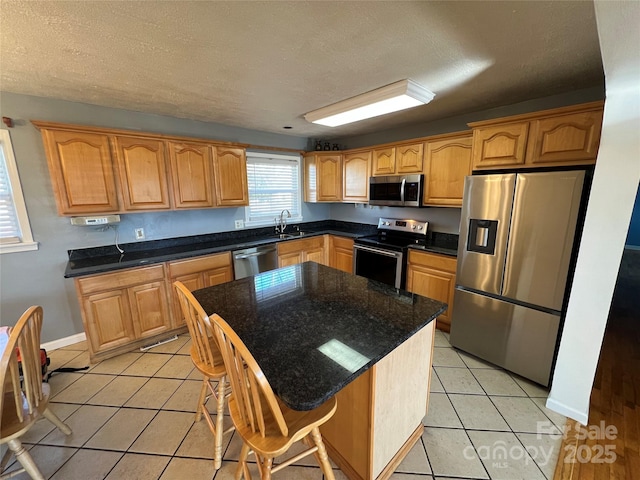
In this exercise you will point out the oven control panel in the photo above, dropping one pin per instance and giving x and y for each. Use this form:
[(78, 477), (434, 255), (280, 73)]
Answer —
[(401, 225)]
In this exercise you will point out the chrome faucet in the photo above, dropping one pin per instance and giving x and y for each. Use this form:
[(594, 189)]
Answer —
[(282, 224)]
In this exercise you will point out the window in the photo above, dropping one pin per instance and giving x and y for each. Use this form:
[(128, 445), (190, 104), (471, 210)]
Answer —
[(15, 231), (274, 186)]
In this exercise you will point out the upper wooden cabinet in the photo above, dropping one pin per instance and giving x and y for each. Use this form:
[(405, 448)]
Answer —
[(356, 170), (447, 162), (563, 136), (192, 175), (99, 170), (322, 177), (81, 171), (398, 159), (142, 167), (230, 173)]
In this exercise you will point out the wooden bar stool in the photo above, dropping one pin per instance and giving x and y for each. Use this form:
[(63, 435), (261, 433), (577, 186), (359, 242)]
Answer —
[(268, 427), (25, 397), (206, 357)]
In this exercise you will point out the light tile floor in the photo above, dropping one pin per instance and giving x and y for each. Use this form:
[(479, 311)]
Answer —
[(132, 418)]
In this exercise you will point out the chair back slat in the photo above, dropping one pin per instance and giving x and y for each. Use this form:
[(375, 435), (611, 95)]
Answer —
[(200, 329), (24, 340), (250, 389)]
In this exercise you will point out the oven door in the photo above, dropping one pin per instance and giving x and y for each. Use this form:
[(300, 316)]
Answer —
[(385, 266)]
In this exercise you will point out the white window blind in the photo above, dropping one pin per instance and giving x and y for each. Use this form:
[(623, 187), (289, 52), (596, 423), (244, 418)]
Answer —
[(15, 231), (274, 186)]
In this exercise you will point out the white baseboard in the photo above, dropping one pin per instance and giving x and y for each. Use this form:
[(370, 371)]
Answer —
[(64, 342), (561, 408)]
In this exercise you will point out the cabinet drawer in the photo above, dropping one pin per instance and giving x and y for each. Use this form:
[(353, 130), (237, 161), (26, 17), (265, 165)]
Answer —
[(199, 264), (122, 279), (433, 260)]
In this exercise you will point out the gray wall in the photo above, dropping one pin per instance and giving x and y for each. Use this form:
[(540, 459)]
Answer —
[(28, 278)]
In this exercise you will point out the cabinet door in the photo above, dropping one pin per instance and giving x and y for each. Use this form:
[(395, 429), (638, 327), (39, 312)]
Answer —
[(341, 253), (384, 161), (447, 163), (81, 171), (149, 312), (107, 318), (316, 254), (230, 168), (565, 139), (409, 158), (433, 276), (329, 171), (142, 165), (291, 258), (310, 179), (193, 281), (192, 175), (500, 146), (217, 276), (356, 169)]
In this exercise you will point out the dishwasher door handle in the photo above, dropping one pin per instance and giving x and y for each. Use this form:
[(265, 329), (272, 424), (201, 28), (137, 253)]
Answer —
[(249, 255)]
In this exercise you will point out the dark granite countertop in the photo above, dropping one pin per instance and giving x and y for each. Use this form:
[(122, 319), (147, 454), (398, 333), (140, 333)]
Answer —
[(313, 329), (90, 261)]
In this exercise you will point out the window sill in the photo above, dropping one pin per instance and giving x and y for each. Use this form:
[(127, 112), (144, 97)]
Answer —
[(271, 223), (18, 247)]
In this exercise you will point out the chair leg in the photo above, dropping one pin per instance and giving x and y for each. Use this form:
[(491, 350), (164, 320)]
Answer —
[(322, 453), (53, 418), (203, 394), (25, 459), (217, 457), (243, 469), (267, 465)]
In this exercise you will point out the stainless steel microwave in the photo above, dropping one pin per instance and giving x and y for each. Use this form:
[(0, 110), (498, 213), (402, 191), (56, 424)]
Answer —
[(396, 190)]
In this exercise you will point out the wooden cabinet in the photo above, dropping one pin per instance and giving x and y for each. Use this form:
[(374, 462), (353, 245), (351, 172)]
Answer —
[(323, 177), (563, 136), (433, 275), (356, 170), (81, 172), (195, 273), (142, 166), (192, 175), (124, 309), (230, 173), (100, 171), (341, 253), (399, 159), (310, 249), (447, 161)]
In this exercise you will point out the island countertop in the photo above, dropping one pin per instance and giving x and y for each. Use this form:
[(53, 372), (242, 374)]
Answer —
[(313, 329)]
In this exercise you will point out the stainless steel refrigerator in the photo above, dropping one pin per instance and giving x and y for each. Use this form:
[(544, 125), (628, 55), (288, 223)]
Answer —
[(517, 235)]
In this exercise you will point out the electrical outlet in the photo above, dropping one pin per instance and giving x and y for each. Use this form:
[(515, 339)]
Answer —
[(239, 223), (139, 233)]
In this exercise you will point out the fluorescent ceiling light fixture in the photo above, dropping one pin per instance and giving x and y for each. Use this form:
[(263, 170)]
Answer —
[(391, 98)]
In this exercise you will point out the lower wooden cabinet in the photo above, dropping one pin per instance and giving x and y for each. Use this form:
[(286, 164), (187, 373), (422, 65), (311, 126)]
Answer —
[(123, 309), (195, 273), (303, 250), (341, 253), (433, 275)]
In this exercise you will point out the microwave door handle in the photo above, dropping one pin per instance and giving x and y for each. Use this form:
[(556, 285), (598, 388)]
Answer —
[(404, 181)]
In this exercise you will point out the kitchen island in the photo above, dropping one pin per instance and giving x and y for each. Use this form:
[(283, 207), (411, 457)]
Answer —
[(317, 332)]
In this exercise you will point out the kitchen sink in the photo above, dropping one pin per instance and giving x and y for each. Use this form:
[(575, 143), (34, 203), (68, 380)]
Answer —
[(291, 235)]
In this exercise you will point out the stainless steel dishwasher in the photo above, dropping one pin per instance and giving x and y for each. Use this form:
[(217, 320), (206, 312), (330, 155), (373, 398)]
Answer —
[(249, 261)]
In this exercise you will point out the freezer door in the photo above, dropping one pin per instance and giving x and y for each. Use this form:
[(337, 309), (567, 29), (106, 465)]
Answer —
[(484, 228), (519, 339), (543, 224)]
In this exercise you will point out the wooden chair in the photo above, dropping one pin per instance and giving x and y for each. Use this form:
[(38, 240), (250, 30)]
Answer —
[(206, 357), (25, 400), (268, 427)]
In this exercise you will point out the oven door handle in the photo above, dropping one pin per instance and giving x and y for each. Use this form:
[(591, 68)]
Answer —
[(402, 185), (378, 251)]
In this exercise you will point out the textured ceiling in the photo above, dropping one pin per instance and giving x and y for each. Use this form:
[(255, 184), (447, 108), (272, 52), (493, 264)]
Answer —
[(263, 65)]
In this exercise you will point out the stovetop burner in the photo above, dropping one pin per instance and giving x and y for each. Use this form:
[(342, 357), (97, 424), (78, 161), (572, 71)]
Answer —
[(396, 234)]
